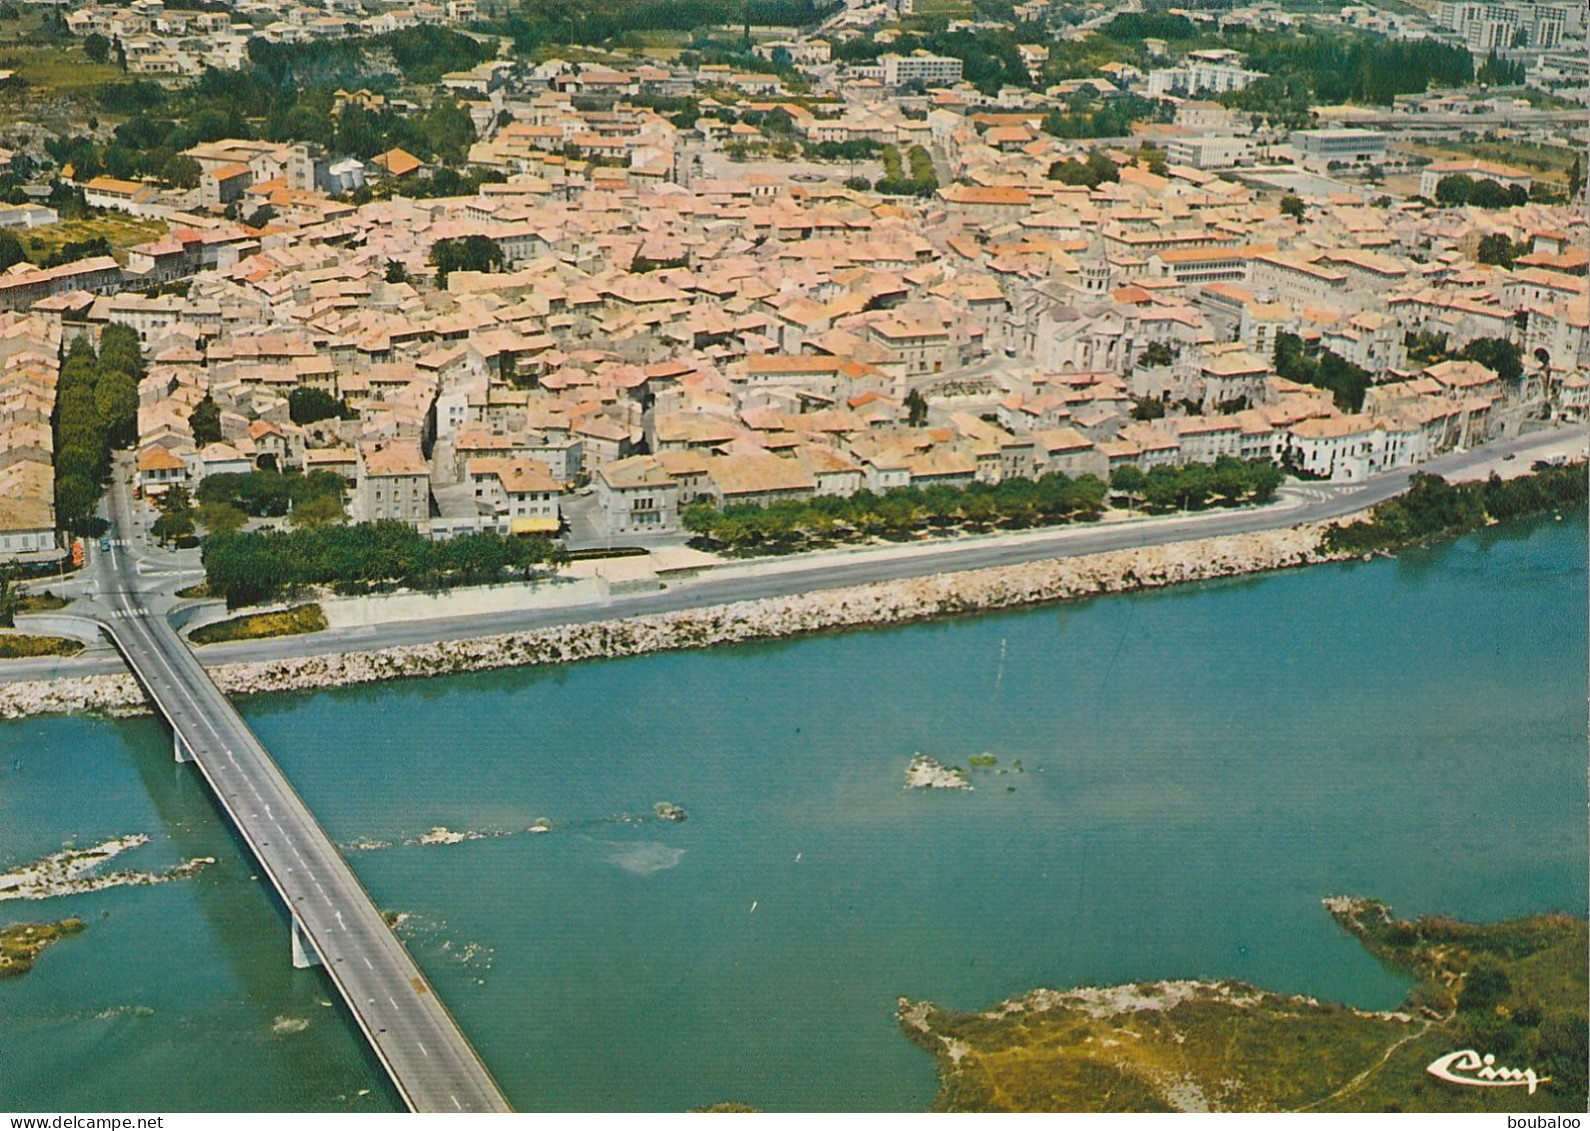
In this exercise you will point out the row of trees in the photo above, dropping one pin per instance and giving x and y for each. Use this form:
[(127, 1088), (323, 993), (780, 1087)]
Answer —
[(1227, 482), (1432, 508), (96, 410), (1460, 189), (256, 566), (899, 513), (922, 181), (1013, 503)]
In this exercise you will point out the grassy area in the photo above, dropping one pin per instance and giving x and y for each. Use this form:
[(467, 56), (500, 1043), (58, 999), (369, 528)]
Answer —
[(1515, 989), (118, 229), (45, 602), (288, 622), (20, 943), (194, 592), (1551, 159), (20, 646), (59, 70), (946, 9)]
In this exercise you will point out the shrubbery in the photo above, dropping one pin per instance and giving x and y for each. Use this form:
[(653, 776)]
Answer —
[(1433, 508)]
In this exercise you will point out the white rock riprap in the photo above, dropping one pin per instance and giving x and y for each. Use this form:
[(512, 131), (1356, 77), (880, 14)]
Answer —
[(886, 602)]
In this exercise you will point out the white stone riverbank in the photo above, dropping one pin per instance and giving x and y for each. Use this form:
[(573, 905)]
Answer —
[(886, 602)]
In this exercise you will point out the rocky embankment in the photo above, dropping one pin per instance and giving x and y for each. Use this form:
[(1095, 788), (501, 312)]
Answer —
[(887, 602)]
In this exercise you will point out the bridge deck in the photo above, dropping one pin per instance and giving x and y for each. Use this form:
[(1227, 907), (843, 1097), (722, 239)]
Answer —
[(422, 1048)]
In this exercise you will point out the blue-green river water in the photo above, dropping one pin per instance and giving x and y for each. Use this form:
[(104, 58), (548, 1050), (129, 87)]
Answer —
[(1202, 766)]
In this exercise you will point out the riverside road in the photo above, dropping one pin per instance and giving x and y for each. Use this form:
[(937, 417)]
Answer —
[(1304, 503)]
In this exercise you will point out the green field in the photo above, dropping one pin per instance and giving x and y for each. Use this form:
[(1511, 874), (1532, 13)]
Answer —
[(945, 9), (122, 231), (58, 70), (1550, 159), (1514, 991)]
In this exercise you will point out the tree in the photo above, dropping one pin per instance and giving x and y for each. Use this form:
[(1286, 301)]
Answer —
[(10, 602), (261, 216), (322, 510), (121, 351), (75, 499), (205, 422), (181, 171), (1293, 206), (11, 252), (306, 405), (916, 408), (1153, 159), (468, 253), (1147, 408), (1575, 177), (116, 400), (220, 518), (396, 272), (1454, 190), (1501, 356), (96, 47), (1497, 249), (176, 515), (1128, 480), (1156, 354)]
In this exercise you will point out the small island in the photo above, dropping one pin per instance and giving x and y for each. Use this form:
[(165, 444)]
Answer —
[(1493, 1002), (21, 943), (668, 811), (929, 773)]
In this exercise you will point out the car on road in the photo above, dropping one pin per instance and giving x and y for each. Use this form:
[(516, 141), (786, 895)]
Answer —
[(1509, 455), (104, 543)]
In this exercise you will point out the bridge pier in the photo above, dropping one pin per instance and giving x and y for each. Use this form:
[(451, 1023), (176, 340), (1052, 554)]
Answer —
[(304, 953), (179, 747)]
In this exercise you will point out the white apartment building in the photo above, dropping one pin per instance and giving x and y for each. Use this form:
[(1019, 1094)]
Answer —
[(1211, 152), (919, 66)]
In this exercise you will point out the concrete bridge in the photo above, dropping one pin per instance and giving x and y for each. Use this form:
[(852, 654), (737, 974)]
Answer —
[(334, 922)]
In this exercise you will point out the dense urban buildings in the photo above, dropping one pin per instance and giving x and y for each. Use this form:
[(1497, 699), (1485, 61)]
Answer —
[(623, 310)]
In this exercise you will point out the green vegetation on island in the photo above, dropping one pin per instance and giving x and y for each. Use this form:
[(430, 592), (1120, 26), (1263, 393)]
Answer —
[(253, 567), (1514, 991), (288, 622), (1432, 509), (21, 943)]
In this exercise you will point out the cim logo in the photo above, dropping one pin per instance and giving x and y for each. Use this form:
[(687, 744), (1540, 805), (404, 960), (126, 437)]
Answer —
[(1486, 1073)]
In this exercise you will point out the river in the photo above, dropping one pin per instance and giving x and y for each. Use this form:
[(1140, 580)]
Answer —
[(1201, 765)]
